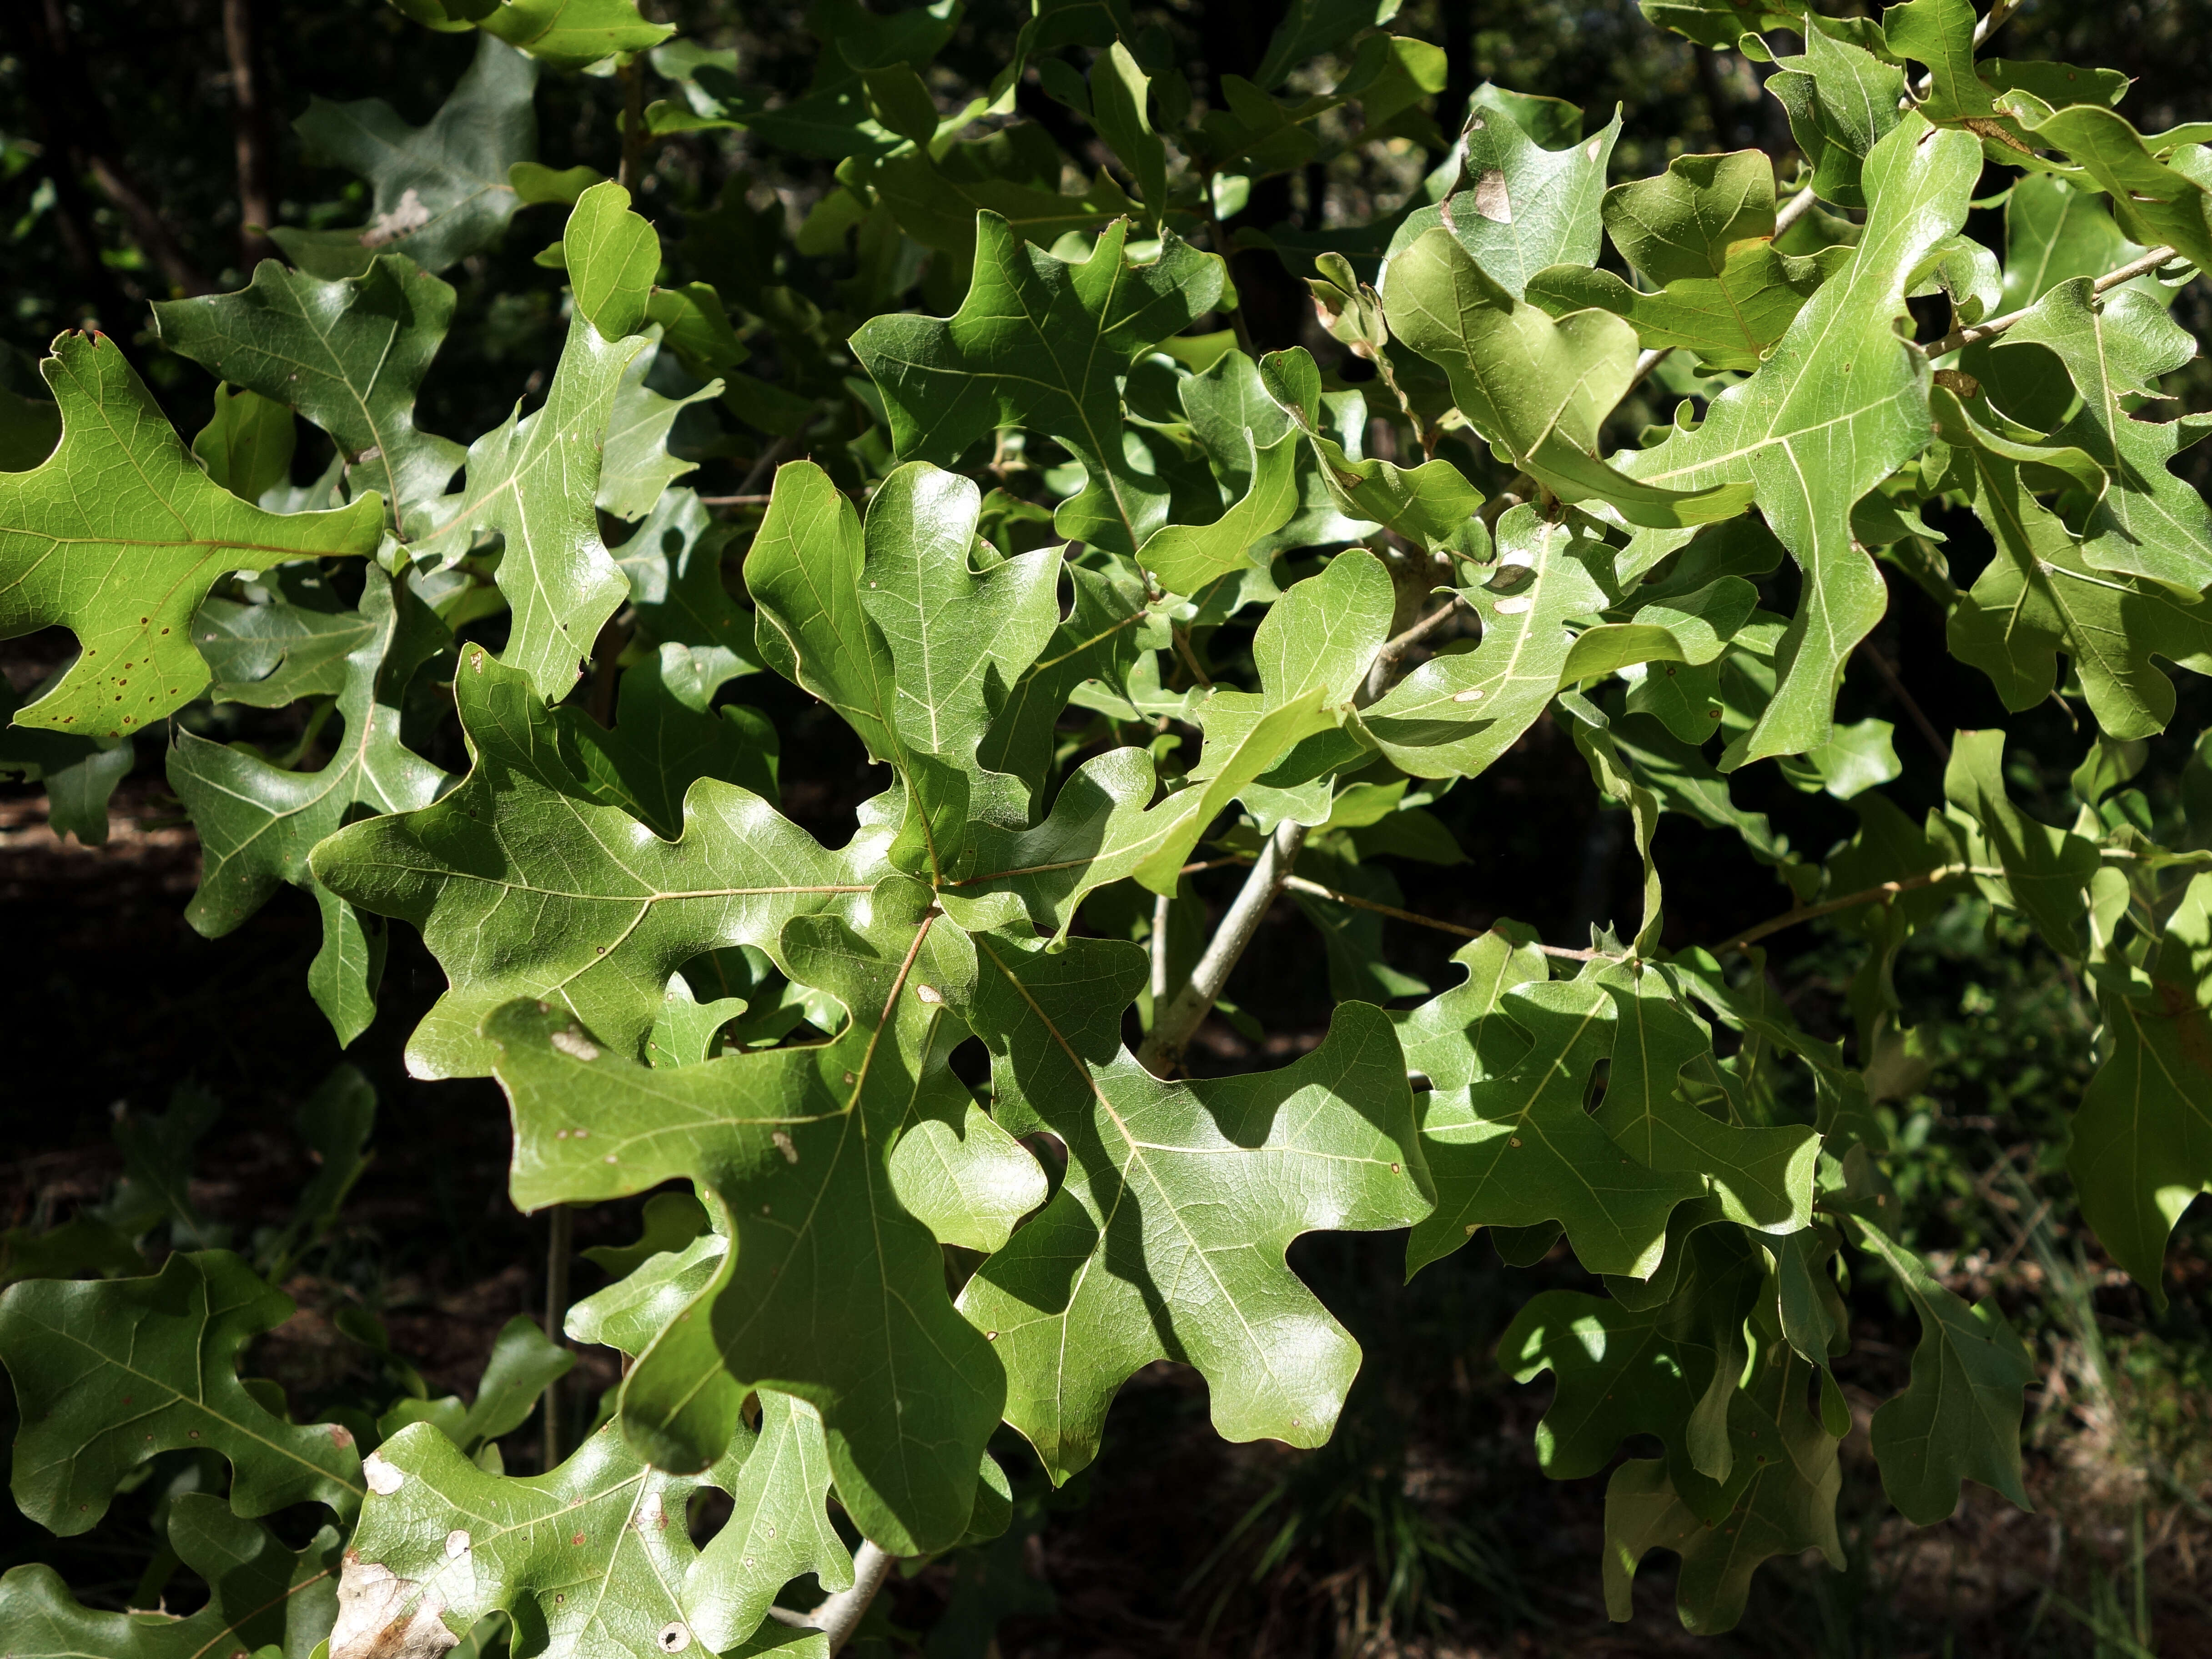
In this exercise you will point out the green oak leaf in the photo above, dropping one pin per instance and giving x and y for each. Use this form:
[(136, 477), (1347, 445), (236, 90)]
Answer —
[(80, 772), (257, 822), (1669, 1370), (1043, 343), (1693, 628), (611, 256), (889, 622), (2142, 1138), (1107, 629), (262, 1597), (1460, 1036), (1166, 1239), (2054, 231), (804, 571), (524, 885), (1731, 320), (2046, 872), (1312, 650), (687, 1030), (958, 639), (573, 34), (1119, 92), (1762, 1177), (628, 1314), (1689, 220), (1960, 1417), (110, 1374), (592, 1555), (673, 560), (1838, 405), (1520, 205), (1779, 1500), (246, 445), (2153, 201), (348, 354), (1186, 557), (1539, 388), (1941, 34), (1310, 27), (1721, 24), (119, 534), (779, 1528), (1457, 713), (793, 1144), (939, 201), (667, 735), (671, 1222), (636, 467), (269, 655), (2147, 522), (440, 192), (1516, 1148), (2056, 84), (2039, 597), (533, 482), (1842, 101)]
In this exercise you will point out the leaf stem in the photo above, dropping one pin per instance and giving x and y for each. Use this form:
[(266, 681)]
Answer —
[(1959, 337), (1172, 1026)]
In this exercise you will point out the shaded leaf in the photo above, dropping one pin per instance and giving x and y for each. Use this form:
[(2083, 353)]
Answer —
[(440, 192), (1040, 343), (523, 885), (1166, 1240), (109, 1375), (348, 354)]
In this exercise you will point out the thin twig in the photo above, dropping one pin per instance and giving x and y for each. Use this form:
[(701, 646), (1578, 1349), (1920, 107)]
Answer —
[(633, 124), (1882, 891), (1163, 911), (1959, 337), (560, 1240), (1394, 650), (1791, 212), (1172, 1026), (1986, 25), (735, 500), (1889, 672), (764, 464), (1188, 656), (249, 127)]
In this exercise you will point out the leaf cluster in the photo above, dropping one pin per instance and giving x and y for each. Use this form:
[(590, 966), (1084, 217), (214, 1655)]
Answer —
[(1115, 596)]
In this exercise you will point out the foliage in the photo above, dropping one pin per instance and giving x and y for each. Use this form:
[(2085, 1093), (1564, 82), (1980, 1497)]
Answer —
[(1119, 585)]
